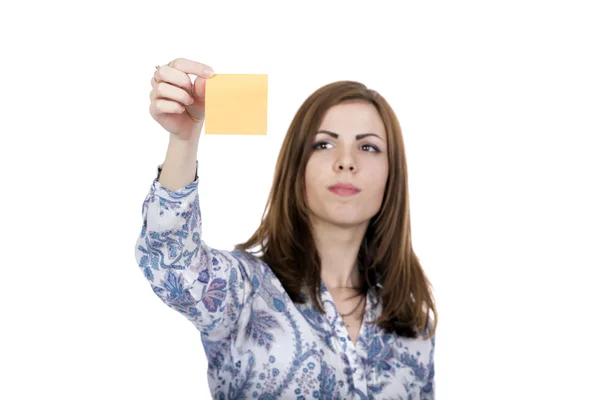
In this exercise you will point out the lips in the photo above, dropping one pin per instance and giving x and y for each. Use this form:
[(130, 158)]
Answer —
[(344, 189)]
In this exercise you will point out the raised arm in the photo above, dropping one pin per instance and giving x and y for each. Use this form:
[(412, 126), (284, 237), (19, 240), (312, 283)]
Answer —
[(207, 286)]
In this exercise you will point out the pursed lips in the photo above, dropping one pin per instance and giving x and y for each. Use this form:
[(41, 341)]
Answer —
[(344, 189)]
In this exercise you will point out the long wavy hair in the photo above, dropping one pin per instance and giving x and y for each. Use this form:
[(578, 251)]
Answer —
[(386, 259)]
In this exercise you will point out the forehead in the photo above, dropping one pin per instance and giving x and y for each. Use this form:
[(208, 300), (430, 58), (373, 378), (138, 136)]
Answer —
[(353, 117)]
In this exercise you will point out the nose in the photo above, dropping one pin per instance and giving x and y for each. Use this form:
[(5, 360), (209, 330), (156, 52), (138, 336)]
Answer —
[(346, 163)]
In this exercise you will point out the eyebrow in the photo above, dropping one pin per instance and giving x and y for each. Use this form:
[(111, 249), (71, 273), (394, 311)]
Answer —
[(358, 137)]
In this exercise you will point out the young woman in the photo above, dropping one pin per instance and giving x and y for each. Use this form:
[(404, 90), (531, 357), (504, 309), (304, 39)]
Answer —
[(327, 299)]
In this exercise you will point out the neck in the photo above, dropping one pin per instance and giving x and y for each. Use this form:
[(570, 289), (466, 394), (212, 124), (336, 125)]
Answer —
[(338, 250)]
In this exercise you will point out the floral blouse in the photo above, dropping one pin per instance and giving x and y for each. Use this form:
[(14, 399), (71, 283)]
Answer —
[(258, 343)]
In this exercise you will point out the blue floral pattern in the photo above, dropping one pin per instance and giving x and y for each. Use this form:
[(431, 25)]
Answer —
[(258, 343)]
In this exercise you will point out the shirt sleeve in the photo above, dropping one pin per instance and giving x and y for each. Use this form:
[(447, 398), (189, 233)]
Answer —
[(428, 391), (207, 286)]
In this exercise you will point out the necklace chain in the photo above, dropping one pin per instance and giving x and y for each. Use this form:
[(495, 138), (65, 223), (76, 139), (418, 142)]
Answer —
[(351, 312)]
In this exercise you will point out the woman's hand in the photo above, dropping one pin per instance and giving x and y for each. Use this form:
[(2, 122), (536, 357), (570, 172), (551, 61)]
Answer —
[(176, 103)]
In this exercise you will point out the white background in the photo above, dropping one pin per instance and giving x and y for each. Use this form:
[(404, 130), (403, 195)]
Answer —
[(499, 105)]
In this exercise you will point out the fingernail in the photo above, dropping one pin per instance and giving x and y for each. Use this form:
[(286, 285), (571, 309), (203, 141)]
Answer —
[(208, 72)]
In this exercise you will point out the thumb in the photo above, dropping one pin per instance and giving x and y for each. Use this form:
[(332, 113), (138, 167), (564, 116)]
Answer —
[(197, 109), (199, 89)]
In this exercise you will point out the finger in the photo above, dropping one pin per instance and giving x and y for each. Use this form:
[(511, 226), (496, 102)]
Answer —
[(164, 106), (192, 67), (167, 91), (199, 88), (172, 76)]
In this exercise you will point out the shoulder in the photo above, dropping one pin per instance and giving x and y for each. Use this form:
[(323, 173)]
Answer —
[(249, 263), (255, 269)]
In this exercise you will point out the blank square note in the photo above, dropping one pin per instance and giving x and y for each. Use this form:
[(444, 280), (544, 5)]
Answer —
[(236, 104)]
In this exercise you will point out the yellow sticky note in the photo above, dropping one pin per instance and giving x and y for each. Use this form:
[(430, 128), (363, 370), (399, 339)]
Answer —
[(236, 104)]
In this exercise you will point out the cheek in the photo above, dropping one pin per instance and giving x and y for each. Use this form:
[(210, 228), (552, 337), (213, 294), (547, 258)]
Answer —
[(377, 175), (379, 185), (377, 192), (315, 167), (383, 181)]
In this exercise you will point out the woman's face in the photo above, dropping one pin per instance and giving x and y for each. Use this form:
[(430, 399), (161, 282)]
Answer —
[(347, 171)]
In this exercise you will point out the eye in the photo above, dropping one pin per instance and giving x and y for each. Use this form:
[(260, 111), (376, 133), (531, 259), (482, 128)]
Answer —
[(320, 145), (370, 147)]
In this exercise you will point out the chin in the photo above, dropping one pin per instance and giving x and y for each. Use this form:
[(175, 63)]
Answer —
[(347, 221), (349, 224), (343, 217)]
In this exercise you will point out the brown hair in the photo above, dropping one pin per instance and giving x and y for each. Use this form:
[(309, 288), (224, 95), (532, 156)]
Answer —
[(386, 255)]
